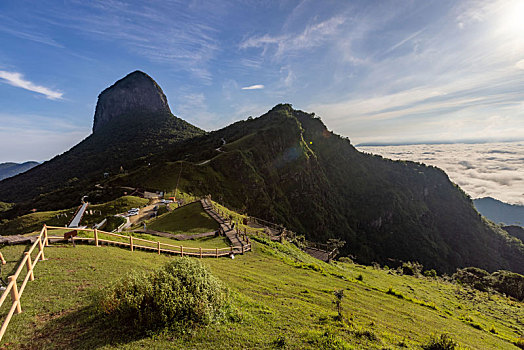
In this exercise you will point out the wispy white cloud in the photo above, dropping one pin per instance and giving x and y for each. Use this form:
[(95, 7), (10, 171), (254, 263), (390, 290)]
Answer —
[(313, 35), (445, 85), (177, 34), (17, 79), (193, 108), (403, 41), (253, 87), (32, 36)]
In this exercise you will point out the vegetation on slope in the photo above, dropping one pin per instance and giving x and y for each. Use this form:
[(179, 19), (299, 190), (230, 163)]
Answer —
[(5, 206), (286, 167), (34, 221), (280, 298), (181, 295), (189, 219)]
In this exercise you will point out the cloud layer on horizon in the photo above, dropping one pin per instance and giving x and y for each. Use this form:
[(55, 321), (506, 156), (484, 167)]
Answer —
[(482, 170)]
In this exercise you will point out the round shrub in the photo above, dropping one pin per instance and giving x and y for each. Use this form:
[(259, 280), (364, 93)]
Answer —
[(181, 294)]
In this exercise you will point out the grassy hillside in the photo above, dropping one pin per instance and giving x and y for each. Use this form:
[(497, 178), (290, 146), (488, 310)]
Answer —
[(282, 297), (189, 219), (34, 221), (286, 167)]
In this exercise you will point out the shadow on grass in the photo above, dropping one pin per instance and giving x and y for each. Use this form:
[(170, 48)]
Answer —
[(15, 263), (85, 328)]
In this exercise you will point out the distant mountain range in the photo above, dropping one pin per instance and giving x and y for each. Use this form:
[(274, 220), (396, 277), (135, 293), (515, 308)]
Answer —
[(500, 212), (284, 166), (12, 169)]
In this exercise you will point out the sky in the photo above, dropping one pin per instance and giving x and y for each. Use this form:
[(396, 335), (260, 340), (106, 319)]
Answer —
[(481, 170), (374, 71)]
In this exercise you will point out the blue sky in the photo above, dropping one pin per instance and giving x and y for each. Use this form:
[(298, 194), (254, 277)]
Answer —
[(375, 71)]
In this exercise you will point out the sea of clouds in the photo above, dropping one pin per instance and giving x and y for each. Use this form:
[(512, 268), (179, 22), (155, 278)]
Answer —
[(481, 170)]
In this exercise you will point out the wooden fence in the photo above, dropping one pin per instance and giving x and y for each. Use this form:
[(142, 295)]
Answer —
[(134, 243), (240, 226), (12, 288)]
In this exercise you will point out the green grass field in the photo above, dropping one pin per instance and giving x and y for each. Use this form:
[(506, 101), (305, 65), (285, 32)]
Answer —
[(283, 297), (187, 220)]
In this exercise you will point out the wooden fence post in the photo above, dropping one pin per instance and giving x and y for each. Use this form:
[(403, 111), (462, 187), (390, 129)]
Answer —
[(181, 251), (96, 237), (242, 248), (29, 267), (200, 252), (131, 243), (216, 252), (41, 248), (46, 240), (14, 294), (158, 247)]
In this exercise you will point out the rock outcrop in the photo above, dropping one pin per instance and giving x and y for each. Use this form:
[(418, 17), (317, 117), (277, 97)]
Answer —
[(135, 92)]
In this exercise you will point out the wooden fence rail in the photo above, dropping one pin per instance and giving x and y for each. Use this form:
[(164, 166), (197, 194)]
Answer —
[(239, 224), (133, 243), (12, 288)]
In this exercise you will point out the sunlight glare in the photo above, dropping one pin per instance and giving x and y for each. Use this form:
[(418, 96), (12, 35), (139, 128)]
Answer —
[(514, 17)]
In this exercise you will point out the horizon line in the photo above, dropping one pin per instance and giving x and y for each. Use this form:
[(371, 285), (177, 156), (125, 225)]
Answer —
[(449, 142)]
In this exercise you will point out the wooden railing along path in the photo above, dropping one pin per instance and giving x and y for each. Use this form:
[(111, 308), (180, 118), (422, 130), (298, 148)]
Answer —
[(228, 227), (134, 243), (242, 229), (12, 288)]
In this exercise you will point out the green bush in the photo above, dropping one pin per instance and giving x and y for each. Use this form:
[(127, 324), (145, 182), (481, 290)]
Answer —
[(411, 268), (113, 222), (345, 259), (181, 294), (519, 343), (506, 282), (442, 342), (430, 273)]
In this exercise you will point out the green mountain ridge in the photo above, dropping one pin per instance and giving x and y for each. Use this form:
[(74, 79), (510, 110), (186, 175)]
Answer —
[(288, 168), (285, 167)]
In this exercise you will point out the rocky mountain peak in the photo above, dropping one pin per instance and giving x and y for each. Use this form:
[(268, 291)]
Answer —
[(136, 92)]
